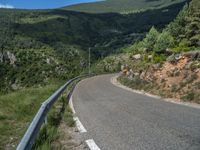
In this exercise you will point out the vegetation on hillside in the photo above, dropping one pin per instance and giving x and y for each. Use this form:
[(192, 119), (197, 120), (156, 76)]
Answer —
[(122, 6), (17, 110), (38, 45), (166, 62)]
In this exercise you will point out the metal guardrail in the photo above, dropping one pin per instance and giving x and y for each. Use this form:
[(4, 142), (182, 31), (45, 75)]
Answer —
[(29, 137)]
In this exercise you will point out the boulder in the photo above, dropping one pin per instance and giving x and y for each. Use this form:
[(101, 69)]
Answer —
[(14, 86), (157, 66), (137, 56), (48, 60), (150, 57), (11, 57), (142, 75), (122, 67), (178, 56)]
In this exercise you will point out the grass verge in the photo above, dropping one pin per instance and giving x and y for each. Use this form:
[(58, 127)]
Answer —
[(17, 110), (50, 135)]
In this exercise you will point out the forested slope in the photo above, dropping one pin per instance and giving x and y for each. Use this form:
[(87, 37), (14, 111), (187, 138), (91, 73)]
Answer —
[(38, 45), (167, 62)]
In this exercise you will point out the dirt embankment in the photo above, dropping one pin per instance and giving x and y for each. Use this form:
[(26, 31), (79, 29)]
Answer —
[(178, 77)]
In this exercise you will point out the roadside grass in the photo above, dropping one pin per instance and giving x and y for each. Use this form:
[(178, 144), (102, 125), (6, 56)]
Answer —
[(17, 110), (68, 117), (135, 83), (191, 97), (49, 135)]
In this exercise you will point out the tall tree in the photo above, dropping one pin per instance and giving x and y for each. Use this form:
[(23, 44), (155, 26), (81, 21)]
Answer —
[(151, 38)]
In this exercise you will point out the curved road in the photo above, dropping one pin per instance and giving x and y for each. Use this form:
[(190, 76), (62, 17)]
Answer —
[(118, 119)]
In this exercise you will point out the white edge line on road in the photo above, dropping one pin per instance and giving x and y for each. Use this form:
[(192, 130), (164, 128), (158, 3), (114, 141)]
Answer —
[(116, 83), (71, 105), (92, 145), (79, 125)]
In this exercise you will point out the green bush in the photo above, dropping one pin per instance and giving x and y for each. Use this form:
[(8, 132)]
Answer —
[(159, 58), (189, 97), (195, 65), (183, 46), (176, 28), (164, 41)]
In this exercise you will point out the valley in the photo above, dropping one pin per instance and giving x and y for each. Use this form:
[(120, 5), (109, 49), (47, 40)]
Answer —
[(154, 43), (55, 43)]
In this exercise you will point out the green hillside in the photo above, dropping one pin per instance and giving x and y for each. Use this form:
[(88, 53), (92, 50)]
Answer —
[(180, 36), (122, 6), (166, 62), (54, 43)]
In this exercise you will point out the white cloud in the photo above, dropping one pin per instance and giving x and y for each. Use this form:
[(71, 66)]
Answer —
[(6, 6)]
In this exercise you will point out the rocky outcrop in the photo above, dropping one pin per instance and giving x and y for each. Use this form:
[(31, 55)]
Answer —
[(137, 56), (8, 57), (11, 57), (178, 77)]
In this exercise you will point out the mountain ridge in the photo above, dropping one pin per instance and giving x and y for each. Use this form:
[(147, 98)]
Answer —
[(121, 6)]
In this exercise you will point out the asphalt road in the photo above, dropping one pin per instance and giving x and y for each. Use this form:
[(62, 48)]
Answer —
[(118, 119)]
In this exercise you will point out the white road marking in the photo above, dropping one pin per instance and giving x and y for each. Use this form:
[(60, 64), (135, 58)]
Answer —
[(71, 105), (79, 125), (92, 145)]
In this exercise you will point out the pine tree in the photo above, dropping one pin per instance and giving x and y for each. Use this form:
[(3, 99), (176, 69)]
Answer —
[(177, 27), (151, 38), (164, 41), (193, 23)]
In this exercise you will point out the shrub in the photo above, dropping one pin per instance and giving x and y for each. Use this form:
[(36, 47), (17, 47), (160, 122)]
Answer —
[(195, 65), (174, 88), (164, 41), (159, 58), (189, 97), (183, 46), (172, 58), (197, 84), (176, 28)]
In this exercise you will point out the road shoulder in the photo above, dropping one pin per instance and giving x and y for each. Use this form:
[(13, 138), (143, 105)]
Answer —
[(115, 82)]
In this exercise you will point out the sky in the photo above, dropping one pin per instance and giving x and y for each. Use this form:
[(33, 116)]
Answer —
[(39, 4)]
